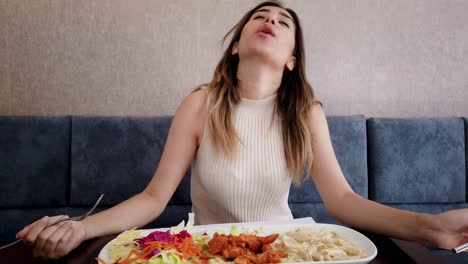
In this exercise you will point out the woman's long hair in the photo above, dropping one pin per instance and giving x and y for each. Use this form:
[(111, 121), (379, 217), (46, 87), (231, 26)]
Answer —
[(293, 103)]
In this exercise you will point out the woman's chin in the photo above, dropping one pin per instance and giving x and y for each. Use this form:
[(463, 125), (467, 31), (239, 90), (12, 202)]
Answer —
[(262, 51)]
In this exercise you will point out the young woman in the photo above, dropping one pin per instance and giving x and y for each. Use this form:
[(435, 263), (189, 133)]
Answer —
[(249, 134)]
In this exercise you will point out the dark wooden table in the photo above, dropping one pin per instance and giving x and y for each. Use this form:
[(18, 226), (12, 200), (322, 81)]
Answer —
[(390, 250)]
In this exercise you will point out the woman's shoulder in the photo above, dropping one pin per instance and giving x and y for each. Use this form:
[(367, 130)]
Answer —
[(316, 110), (196, 100), (317, 119), (193, 111)]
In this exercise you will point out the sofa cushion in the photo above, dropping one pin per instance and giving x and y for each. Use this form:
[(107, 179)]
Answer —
[(348, 136), (117, 156), (34, 160), (416, 160), (466, 156)]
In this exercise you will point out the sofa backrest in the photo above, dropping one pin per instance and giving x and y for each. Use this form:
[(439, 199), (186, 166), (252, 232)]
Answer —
[(117, 156), (348, 136), (68, 161), (34, 161), (111, 153), (465, 120), (416, 160)]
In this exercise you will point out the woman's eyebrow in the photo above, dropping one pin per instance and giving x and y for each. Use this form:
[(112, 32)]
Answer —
[(268, 10)]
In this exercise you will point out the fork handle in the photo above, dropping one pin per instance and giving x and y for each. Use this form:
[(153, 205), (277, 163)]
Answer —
[(11, 244)]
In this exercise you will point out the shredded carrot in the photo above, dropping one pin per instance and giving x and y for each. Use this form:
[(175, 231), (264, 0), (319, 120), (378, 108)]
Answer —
[(151, 246), (100, 261), (186, 247)]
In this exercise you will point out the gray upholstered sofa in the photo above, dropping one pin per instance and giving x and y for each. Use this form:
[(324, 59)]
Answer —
[(61, 164)]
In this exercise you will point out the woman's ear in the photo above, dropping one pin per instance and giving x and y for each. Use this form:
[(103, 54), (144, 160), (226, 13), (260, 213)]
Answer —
[(291, 64), (235, 48)]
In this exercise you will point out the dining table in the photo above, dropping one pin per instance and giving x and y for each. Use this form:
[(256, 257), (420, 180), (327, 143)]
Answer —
[(390, 250)]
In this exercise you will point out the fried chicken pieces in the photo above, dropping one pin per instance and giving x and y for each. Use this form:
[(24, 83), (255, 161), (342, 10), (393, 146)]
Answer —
[(245, 249)]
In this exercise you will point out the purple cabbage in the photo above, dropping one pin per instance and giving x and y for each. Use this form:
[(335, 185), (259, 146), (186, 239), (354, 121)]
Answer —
[(154, 252), (155, 236), (162, 237), (183, 234)]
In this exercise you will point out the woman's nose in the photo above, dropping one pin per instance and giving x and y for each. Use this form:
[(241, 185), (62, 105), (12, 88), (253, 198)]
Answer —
[(270, 20)]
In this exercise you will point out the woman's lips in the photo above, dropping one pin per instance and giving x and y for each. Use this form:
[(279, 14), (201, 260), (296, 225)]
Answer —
[(264, 35), (266, 30)]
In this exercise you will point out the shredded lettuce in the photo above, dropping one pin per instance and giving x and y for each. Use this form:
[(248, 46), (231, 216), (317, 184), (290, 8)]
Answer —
[(167, 257), (178, 228), (234, 230), (181, 226), (190, 222), (122, 246), (201, 240)]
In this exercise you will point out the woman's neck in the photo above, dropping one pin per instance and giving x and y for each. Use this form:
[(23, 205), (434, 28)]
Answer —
[(257, 80)]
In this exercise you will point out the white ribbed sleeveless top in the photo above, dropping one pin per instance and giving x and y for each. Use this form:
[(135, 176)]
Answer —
[(254, 186)]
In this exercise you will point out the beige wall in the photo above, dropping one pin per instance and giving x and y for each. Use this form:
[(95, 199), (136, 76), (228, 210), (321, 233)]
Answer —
[(373, 57)]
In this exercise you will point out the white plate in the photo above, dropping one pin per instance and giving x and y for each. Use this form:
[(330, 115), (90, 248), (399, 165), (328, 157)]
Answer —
[(265, 229)]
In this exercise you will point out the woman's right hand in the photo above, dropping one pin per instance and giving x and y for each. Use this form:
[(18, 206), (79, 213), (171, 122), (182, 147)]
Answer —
[(53, 241)]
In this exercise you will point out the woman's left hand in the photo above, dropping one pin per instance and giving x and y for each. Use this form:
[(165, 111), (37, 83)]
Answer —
[(449, 229)]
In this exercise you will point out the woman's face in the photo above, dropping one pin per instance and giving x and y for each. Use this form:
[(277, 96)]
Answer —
[(269, 33)]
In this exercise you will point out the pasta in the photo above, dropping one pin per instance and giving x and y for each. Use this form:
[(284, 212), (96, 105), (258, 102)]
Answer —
[(308, 245)]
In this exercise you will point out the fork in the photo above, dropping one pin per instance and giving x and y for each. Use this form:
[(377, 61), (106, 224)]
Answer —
[(460, 248), (75, 218)]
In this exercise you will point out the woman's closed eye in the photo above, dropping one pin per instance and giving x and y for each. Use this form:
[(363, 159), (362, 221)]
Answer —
[(284, 23)]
